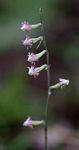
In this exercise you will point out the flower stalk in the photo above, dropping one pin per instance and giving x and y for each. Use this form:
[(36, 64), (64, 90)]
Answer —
[(48, 78)]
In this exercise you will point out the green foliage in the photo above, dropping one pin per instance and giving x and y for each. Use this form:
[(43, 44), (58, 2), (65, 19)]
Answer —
[(11, 95), (16, 100)]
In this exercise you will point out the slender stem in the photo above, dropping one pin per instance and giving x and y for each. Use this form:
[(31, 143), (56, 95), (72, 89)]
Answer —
[(48, 78)]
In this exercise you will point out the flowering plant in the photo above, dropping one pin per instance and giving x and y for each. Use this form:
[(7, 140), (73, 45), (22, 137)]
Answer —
[(35, 71)]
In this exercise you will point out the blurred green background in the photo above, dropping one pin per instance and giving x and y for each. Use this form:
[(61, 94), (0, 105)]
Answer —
[(21, 95)]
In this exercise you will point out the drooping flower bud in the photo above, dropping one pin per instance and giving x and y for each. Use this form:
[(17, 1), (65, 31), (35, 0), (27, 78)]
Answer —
[(31, 123), (34, 71), (35, 57), (27, 27), (28, 42), (62, 83)]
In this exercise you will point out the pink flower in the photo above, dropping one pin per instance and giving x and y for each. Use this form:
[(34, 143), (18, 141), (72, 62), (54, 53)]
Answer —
[(27, 42), (35, 71), (35, 57), (28, 122), (30, 41), (32, 57), (25, 26), (63, 81)]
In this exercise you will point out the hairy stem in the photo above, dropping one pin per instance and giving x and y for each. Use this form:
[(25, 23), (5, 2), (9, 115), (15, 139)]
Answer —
[(48, 78)]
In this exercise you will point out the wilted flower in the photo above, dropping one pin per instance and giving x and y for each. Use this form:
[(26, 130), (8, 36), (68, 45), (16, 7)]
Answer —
[(35, 57), (30, 123), (61, 84), (34, 71), (27, 27), (30, 41)]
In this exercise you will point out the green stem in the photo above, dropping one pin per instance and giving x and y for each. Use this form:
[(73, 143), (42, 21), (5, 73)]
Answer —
[(48, 78)]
